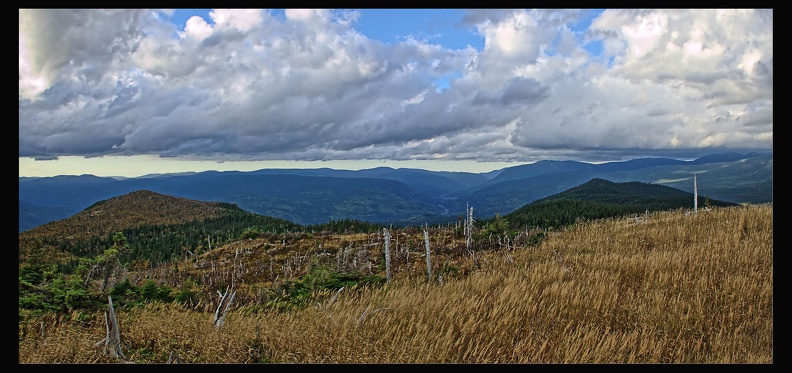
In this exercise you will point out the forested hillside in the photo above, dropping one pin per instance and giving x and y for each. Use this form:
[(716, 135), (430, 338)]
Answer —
[(598, 199), (146, 230), (157, 227)]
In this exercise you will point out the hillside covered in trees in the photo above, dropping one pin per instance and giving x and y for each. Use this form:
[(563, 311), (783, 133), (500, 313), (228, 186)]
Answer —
[(159, 227), (599, 198)]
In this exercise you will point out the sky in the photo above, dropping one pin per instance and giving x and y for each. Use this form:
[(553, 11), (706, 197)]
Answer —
[(130, 92)]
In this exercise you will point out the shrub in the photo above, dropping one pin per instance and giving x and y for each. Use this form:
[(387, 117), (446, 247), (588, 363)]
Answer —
[(250, 233)]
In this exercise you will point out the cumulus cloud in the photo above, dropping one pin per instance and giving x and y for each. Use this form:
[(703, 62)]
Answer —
[(308, 85)]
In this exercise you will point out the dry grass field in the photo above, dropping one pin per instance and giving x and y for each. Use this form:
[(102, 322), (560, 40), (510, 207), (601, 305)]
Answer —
[(671, 287)]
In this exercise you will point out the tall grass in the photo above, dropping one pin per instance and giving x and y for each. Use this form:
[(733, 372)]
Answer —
[(672, 287)]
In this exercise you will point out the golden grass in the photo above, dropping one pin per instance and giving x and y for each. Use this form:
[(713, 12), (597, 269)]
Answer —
[(672, 288)]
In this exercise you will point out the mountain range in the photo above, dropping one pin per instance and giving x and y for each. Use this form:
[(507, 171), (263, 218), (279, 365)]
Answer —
[(159, 227), (399, 196)]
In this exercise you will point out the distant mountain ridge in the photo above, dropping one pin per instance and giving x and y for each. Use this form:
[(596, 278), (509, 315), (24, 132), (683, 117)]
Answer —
[(398, 196), (599, 198), (631, 193)]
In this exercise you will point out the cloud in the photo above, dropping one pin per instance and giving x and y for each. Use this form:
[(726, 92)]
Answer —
[(307, 84), (517, 91), (197, 29)]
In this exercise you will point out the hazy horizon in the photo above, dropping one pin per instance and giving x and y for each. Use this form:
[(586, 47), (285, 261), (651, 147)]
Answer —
[(130, 167)]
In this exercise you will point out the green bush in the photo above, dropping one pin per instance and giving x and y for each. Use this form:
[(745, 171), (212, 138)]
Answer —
[(127, 294), (151, 292), (249, 233), (187, 293), (70, 294), (297, 294), (447, 271)]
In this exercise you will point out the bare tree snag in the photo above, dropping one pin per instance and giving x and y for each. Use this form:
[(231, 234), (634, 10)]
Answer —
[(113, 339), (428, 258), (695, 195), (224, 305), (387, 255), (469, 228)]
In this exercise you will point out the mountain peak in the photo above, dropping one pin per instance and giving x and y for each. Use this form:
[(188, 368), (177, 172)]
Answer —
[(137, 208)]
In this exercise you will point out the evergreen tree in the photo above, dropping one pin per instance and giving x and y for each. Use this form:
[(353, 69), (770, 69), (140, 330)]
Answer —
[(32, 271)]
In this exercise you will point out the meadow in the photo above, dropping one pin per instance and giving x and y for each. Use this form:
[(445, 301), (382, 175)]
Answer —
[(671, 287)]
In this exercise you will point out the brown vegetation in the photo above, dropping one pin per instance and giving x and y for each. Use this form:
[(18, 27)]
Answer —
[(669, 287), (142, 207)]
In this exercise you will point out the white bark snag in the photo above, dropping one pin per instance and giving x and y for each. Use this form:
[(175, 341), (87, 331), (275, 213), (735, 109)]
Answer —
[(387, 255), (225, 304), (428, 259), (695, 195), (113, 339), (465, 224), (469, 228)]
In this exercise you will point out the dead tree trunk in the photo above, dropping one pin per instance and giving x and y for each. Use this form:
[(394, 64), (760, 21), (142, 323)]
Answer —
[(695, 195), (428, 258), (469, 229), (113, 339), (223, 307), (387, 255)]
